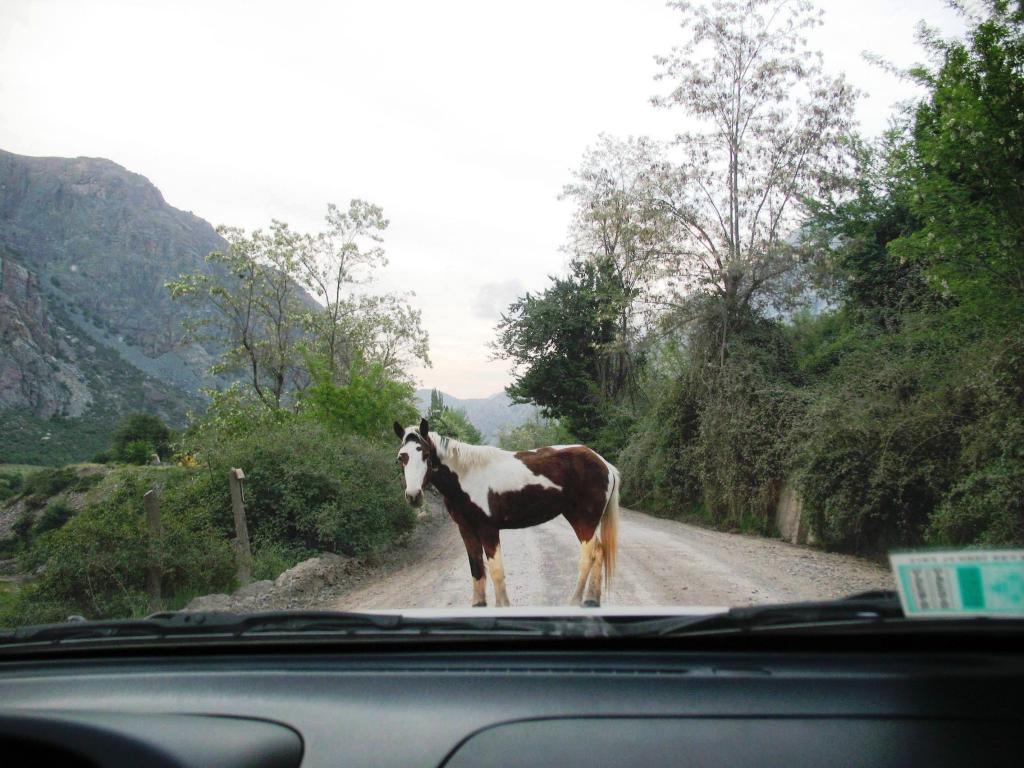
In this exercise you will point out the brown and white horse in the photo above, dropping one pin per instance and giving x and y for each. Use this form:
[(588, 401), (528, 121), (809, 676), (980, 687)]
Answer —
[(486, 490)]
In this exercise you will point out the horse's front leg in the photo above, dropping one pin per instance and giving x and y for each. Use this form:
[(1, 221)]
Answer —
[(475, 550), (492, 548)]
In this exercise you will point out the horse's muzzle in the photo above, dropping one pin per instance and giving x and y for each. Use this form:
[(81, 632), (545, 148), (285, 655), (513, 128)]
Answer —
[(415, 499)]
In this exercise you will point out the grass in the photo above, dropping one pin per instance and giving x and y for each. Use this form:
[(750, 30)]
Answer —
[(9, 589), (21, 469), (270, 560)]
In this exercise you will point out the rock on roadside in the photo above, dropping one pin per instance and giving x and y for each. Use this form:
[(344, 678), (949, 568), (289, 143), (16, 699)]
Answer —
[(309, 584)]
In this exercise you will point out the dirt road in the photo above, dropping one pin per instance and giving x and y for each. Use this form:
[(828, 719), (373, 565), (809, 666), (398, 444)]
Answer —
[(660, 562)]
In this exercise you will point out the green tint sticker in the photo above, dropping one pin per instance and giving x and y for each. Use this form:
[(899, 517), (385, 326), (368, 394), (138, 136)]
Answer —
[(960, 583)]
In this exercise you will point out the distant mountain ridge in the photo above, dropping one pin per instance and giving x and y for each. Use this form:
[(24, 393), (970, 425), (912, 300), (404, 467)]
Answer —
[(488, 414), (102, 239), (87, 329)]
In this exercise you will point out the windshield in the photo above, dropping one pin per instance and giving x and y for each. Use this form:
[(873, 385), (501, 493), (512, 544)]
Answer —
[(379, 307)]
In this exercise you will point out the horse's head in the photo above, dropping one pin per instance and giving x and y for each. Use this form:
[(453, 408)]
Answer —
[(418, 458)]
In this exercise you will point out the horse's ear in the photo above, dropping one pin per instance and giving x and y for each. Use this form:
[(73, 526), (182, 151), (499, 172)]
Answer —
[(399, 430), (424, 428)]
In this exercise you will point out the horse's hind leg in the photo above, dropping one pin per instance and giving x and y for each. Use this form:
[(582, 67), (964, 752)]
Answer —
[(593, 597), (586, 563)]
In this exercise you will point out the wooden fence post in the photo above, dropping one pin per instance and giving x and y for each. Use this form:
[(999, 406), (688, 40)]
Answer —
[(151, 501), (243, 554)]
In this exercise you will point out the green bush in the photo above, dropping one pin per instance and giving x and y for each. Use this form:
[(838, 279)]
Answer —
[(657, 465), (876, 449), (49, 482), (985, 508), (10, 484), (742, 451), (308, 487), (95, 564), (913, 436), (714, 443), (137, 452), (136, 431), (21, 530), (366, 404), (56, 514)]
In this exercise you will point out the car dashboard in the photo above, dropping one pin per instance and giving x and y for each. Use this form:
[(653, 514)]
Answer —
[(439, 705)]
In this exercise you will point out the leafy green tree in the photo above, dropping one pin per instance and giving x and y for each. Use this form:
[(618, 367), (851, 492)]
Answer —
[(965, 166), (451, 422), (336, 265), (856, 230), (336, 260), (620, 222), (564, 344), (250, 303), (366, 404), (138, 436), (534, 434)]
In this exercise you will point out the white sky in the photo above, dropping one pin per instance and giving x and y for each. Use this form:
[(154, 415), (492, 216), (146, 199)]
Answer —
[(462, 119)]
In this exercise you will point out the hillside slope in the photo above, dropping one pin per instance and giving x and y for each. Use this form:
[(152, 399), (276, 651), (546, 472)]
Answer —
[(87, 330)]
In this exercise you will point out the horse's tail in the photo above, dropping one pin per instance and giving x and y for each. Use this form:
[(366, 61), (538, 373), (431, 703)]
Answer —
[(610, 529)]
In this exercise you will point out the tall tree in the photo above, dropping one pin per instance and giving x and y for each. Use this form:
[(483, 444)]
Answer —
[(250, 303), (333, 263), (619, 216), (389, 331), (336, 266), (765, 130), (965, 166), (620, 225), (857, 228), (562, 345)]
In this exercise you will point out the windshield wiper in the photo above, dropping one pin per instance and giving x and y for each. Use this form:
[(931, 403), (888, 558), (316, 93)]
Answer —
[(866, 611), (283, 624), (861, 609)]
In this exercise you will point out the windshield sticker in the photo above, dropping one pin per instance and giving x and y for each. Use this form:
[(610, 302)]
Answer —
[(960, 583)]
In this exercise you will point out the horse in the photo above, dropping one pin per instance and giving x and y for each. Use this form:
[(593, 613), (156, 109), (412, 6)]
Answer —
[(487, 490)]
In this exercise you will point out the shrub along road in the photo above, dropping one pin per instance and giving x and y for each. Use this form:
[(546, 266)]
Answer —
[(660, 562)]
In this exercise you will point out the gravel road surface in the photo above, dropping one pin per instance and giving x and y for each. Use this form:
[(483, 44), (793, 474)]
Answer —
[(660, 562)]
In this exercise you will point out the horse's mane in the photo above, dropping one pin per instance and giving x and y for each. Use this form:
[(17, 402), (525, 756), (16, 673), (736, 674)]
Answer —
[(459, 455)]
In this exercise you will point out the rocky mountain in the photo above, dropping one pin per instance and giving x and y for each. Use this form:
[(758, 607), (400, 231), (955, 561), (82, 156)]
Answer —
[(87, 329), (488, 414)]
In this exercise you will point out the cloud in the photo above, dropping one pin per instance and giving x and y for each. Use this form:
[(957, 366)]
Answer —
[(493, 298)]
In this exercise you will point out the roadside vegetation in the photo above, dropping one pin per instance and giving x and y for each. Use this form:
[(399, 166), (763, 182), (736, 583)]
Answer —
[(318, 385), (775, 301)]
